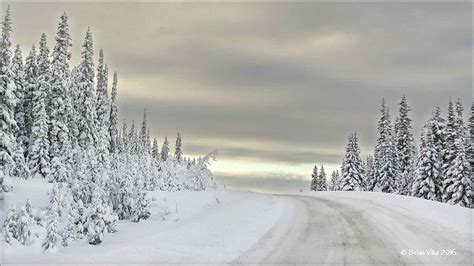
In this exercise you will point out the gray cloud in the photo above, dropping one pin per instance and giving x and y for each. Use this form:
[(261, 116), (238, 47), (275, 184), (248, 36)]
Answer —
[(295, 78)]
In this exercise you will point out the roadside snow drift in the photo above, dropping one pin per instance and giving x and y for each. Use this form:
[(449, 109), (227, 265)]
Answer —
[(185, 227)]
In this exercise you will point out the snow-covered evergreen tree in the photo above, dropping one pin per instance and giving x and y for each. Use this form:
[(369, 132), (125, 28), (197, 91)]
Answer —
[(60, 108), (385, 155), (406, 149), (53, 236), (314, 179), (369, 172), (141, 209), (31, 85), (113, 117), (7, 104), (18, 73), (352, 171), (144, 143), (17, 225), (51, 242), (10, 225), (102, 104), (323, 186), (154, 150), (85, 105), (178, 152), (458, 182), (165, 150), (96, 216), (428, 174), (24, 226), (38, 150), (450, 136), (334, 183)]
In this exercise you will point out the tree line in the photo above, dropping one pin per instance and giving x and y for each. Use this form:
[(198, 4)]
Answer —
[(60, 124), (440, 169)]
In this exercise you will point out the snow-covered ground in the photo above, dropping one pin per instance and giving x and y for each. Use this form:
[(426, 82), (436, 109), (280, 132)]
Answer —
[(366, 228), (224, 226), (185, 227)]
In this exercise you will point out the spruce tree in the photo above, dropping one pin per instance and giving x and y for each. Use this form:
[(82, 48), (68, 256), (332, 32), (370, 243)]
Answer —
[(148, 141), (18, 73), (154, 151), (103, 113), (24, 227), (7, 103), (314, 179), (38, 150), (352, 171), (85, 106), (102, 104), (406, 150), (178, 153), (53, 237), (369, 173), (450, 135), (60, 109), (143, 134), (322, 180), (334, 183), (31, 85), (113, 117), (428, 174), (10, 225), (458, 182), (165, 150), (385, 155)]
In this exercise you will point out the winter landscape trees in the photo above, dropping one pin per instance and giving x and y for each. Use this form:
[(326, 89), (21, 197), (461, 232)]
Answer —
[(60, 125), (440, 170)]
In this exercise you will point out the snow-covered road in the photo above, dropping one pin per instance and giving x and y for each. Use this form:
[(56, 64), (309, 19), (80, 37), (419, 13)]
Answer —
[(365, 228), (224, 226)]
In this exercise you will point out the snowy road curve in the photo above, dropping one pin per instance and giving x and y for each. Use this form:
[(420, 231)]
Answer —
[(327, 229)]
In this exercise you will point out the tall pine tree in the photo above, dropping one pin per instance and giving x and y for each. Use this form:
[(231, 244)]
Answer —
[(143, 134), (323, 186), (85, 105), (314, 179), (178, 152), (406, 150), (102, 104), (352, 171), (165, 150), (18, 73), (428, 173), (60, 108), (113, 117), (7, 103), (457, 184), (385, 155), (31, 85)]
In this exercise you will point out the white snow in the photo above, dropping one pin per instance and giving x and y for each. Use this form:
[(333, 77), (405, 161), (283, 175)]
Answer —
[(222, 226), (185, 227), (334, 228), (448, 217)]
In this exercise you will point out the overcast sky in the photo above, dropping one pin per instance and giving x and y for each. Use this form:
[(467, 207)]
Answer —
[(274, 87)]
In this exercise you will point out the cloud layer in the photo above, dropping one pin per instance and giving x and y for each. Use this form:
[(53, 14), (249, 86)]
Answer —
[(277, 83)]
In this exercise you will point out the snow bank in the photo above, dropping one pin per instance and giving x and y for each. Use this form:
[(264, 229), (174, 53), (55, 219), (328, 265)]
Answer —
[(454, 218), (185, 227)]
